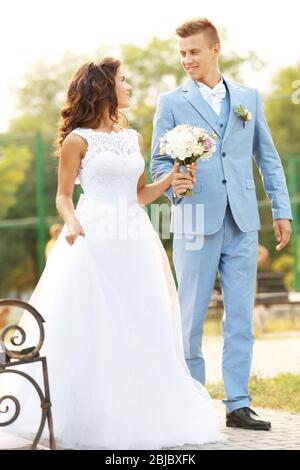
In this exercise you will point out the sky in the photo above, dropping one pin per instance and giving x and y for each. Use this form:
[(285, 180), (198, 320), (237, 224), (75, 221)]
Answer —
[(34, 29)]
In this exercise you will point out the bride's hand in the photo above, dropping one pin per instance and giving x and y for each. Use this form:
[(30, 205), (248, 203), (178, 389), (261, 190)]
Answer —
[(74, 230)]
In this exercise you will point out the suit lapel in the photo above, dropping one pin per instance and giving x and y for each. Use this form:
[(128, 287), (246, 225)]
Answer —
[(235, 100), (193, 95)]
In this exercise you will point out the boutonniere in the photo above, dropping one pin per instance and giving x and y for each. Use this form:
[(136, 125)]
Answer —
[(243, 114)]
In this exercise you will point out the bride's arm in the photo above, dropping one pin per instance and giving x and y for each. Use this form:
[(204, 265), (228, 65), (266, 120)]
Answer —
[(149, 192), (73, 148)]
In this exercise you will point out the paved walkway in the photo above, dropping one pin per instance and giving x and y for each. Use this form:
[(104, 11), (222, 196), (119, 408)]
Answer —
[(284, 435), (9, 441)]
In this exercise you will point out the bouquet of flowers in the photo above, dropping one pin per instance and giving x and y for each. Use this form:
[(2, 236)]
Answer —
[(186, 144)]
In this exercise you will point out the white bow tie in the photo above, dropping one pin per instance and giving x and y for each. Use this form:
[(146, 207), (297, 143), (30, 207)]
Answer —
[(219, 91)]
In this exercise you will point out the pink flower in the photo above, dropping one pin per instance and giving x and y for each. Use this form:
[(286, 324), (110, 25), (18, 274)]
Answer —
[(208, 144)]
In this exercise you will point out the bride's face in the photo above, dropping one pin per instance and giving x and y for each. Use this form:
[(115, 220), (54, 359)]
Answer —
[(122, 90)]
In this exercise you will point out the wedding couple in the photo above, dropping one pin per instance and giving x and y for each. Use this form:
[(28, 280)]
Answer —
[(124, 350)]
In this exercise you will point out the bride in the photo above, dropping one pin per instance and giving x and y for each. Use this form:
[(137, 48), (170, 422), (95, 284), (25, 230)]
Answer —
[(118, 377)]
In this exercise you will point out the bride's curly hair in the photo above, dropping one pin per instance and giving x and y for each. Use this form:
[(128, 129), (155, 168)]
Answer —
[(91, 90)]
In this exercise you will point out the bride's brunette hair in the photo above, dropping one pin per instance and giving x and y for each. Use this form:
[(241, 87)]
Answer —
[(91, 90)]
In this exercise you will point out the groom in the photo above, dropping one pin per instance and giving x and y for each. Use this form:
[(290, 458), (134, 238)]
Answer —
[(225, 190)]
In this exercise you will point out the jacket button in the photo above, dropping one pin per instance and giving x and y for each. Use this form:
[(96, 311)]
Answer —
[(221, 125), (223, 154), (224, 181)]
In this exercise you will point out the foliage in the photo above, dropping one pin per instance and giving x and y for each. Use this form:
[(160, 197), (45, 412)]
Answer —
[(13, 165), (280, 392)]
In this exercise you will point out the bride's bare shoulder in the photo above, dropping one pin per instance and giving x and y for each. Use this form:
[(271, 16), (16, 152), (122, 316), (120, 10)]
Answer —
[(74, 142)]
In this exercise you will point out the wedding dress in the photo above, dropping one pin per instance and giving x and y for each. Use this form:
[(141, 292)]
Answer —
[(117, 373)]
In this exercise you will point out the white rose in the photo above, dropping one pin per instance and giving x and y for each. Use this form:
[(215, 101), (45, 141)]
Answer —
[(180, 127), (199, 149)]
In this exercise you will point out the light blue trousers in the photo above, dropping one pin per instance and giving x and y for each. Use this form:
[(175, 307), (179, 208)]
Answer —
[(233, 254)]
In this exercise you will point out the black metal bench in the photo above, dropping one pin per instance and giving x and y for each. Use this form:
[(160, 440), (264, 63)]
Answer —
[(10, 358)]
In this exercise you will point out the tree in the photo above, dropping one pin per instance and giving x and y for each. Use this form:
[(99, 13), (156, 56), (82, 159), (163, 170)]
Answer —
[(283, 112), (283, 117), (42, 94), (13, 165)]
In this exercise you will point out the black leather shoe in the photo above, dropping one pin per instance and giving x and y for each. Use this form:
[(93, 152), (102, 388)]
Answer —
[(247, 419)]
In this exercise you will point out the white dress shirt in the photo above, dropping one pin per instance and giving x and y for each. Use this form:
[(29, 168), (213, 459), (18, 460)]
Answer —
[(213, 96)]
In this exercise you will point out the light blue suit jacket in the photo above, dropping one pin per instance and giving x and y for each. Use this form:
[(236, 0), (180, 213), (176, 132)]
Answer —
[(228, 175)]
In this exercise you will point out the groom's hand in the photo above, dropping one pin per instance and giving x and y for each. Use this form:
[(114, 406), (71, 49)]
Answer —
[(283, 231), (183, 181)]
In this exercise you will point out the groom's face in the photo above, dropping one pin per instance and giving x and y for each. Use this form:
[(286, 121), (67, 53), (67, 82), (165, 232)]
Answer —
[(198, 56)]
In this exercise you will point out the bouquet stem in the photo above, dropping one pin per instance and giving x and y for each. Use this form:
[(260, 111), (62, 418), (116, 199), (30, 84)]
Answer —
[(183, 169)]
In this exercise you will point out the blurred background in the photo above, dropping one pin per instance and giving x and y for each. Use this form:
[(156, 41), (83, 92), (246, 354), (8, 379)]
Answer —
[(42, 43)]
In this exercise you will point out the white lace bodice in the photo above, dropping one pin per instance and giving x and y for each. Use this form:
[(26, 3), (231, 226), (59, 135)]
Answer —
[(112, 164)]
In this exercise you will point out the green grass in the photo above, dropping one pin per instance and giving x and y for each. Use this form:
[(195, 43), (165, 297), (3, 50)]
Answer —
[(279, 393)]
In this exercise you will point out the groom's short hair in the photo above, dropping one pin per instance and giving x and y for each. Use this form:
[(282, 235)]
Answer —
[(199, 25)]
